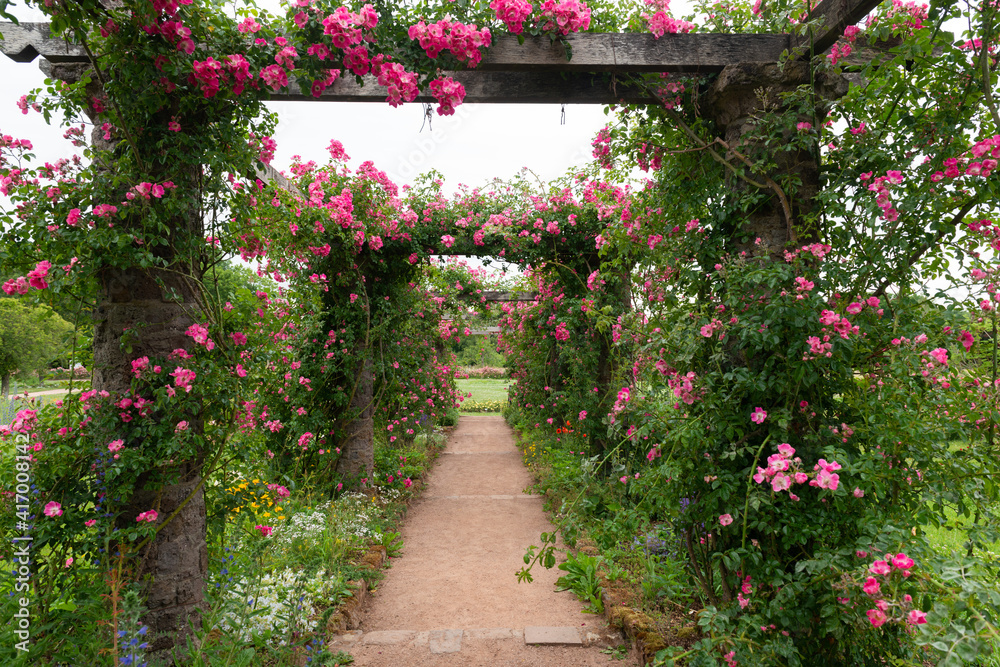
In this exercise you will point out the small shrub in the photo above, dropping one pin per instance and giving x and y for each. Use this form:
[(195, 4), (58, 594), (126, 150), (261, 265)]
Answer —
[(470, 405)]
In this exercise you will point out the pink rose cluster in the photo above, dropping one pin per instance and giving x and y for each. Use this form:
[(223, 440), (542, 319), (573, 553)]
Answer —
[(35, 278), (183, 377), (448, 93), (660, 22), (882, 570), (513, 13), (345, 28), (821, 346), (784, 469), (279, 490), (563, 18), (991, 233), (400, 84), (681, 385), (200, 335), (464, 41), (880, 186), (602, 150), (149, 516)]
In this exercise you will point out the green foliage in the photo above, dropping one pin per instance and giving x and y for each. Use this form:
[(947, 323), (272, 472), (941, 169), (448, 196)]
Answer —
[(581, 578)]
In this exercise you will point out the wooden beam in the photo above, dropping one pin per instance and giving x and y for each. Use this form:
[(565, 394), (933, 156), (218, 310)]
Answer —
[(632, 52), (835, 16), (24, 42), (592, 52), (495, 296), (537, 71), (492, 296), (499, 88)]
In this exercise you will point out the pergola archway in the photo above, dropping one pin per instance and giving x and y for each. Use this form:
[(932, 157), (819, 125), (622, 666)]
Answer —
[(539, 72)]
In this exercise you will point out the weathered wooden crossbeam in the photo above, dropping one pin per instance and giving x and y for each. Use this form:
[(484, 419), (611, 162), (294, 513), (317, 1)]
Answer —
[(491, 296), (494, 296), (632, 52), (501, 88), (835, 16), (592, 52), (537, 71)]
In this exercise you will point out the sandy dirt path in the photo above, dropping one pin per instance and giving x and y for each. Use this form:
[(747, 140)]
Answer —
[(452, 597)]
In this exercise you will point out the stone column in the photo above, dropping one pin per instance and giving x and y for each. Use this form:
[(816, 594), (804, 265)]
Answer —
[(734, 101), (145, 312), (357, 451)]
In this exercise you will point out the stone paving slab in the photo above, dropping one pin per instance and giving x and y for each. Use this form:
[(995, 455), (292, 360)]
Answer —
[(493, 634), (490, 497), (445, 641), (450, 640), (388, 637), (540, 635)]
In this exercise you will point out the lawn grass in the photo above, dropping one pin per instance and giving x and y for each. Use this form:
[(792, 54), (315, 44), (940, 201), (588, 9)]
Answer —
[(484, 392), (953, 537)]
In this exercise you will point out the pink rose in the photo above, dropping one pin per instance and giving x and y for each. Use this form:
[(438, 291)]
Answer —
[(902, 562), (879, 567), (53, 509), (877, 617), (966, 339), (725, 519)]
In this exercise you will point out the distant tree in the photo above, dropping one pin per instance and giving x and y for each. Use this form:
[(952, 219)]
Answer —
[(229, 282), (30, 337)]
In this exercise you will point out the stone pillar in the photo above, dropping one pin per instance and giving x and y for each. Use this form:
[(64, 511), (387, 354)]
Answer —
[(734, 101), (357, 451), (145, 312)]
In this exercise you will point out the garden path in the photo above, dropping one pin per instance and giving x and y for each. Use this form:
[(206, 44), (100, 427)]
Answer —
[(452, 598)]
